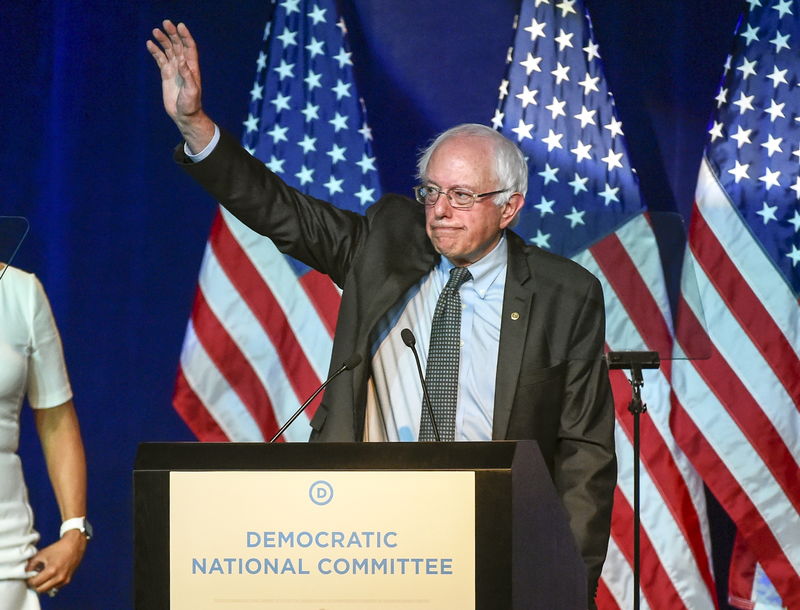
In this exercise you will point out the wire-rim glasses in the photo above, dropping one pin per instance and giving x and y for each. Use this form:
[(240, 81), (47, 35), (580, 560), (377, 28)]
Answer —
[(459, 198)]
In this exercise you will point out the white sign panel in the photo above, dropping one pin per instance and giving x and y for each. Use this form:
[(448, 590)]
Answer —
[(322, 540)]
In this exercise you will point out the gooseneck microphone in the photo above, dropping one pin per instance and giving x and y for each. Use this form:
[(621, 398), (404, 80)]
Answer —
[(349, 364), (410, 341)]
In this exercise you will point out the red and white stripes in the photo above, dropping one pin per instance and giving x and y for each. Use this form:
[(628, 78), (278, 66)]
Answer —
[(737, 413), (676, 568), (258, 342)]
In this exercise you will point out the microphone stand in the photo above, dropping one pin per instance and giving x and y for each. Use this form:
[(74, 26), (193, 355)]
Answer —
[(411, 341), (349, 364), (635, 362)]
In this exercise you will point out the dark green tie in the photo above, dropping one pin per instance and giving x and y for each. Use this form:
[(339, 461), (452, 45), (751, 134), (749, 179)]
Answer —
[(441, 371)]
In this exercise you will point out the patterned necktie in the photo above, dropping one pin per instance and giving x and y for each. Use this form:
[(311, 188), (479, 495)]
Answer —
[(441, 372)]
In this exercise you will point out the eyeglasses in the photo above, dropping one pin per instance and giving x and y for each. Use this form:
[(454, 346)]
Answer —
[(460, 199)]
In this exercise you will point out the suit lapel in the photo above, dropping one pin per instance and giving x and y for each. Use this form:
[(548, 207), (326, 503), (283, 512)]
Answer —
[(386, 280), (514, 326), (391, 282)]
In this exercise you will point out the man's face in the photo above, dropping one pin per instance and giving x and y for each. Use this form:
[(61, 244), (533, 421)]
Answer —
[(465, 236)]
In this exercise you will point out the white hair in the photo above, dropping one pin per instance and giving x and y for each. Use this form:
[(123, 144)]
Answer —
[(509, 163)]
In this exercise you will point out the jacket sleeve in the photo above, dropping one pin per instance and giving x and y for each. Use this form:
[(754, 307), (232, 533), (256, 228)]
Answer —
[(585, 459), (314, 232)]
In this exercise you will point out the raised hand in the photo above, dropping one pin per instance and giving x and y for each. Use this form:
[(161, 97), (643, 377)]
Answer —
[(177, 59)]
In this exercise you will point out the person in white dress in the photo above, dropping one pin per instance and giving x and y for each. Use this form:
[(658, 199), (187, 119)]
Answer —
[(32, 366)]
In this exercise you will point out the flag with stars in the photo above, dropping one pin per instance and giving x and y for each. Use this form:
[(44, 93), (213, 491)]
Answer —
[(260, 334), (583, 202), (737, 413)]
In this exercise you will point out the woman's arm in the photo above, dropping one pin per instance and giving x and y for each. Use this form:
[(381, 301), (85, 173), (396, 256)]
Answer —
[(60, 436)]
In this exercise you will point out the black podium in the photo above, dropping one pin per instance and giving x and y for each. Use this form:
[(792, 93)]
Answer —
[(525, 555)]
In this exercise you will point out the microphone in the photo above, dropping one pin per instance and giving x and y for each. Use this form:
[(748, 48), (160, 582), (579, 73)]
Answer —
[(349, 364), (410, 341)]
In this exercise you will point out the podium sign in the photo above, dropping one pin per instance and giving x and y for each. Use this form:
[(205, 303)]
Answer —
[(310, 539), (351, 525)]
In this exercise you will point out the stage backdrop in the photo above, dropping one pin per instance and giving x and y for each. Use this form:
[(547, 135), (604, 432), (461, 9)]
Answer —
[(117, 231)]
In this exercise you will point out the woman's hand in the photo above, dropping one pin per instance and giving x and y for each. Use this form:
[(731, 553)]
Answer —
[(57, 563)]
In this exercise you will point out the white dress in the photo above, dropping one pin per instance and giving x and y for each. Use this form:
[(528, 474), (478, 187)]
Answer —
[(32, 364)]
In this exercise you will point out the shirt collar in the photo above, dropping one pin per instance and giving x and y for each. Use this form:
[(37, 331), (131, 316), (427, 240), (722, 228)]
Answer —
[(484, 272)]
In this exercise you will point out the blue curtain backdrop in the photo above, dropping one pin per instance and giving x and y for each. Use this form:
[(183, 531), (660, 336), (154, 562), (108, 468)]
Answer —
[(117, 231)]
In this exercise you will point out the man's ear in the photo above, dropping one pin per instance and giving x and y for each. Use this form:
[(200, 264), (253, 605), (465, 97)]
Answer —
[(511, 209)]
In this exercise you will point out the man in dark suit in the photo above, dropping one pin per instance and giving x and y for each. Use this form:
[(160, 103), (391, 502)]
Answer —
[(531, 323)]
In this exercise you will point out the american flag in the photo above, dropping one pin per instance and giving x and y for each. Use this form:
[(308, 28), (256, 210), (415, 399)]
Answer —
[(737, 413), (260, 334), (583, 201)]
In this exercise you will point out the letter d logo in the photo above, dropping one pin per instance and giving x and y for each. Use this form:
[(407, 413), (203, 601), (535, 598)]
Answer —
[(320, 492)]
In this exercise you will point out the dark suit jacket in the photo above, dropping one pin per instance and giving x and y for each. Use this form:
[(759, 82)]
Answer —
[(552, 385)]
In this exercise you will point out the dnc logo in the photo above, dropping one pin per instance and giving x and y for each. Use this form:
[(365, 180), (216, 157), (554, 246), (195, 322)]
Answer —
[(320, 492)]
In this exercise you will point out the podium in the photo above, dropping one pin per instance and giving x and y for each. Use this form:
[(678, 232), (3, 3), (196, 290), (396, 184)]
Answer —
[(519, 552)]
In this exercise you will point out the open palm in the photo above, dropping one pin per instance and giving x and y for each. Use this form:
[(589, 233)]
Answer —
[(177, 59)]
